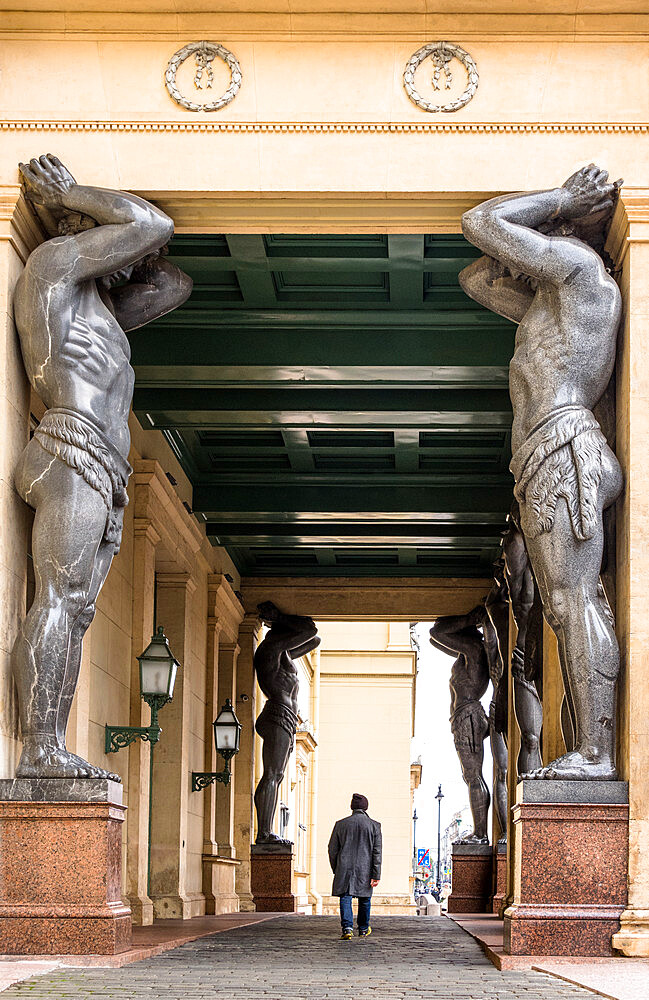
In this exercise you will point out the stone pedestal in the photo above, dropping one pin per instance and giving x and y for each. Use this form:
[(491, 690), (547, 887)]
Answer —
[(60, 868), (271, 878), (472, 879), (570, 884), (499, 876)]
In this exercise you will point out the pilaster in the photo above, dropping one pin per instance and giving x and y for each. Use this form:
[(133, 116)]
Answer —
[(170, 791), (244, 776), (145, 540), (552, 742), (629, 247)]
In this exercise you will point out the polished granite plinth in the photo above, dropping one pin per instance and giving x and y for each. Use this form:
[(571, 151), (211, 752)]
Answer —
[(60, 868), (472, 879), (571, 842), (271, 878)]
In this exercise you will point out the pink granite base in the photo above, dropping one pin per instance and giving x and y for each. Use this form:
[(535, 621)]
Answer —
[(60, 879), (472, 879), (571, 878), (271, 881)]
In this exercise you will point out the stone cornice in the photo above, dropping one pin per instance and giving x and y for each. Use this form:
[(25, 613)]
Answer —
[(357, 19)]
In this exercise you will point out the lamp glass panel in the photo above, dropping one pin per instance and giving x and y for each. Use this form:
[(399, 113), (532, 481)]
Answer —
[(155, 676)]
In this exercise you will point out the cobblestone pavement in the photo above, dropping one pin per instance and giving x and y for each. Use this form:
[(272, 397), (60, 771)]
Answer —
[(302, 958)]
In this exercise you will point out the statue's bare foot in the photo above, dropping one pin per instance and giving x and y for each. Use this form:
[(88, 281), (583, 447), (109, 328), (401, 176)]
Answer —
[(574, 766), (472, 838), (503, 839), (46, 759), (95, 772), (272, 838)]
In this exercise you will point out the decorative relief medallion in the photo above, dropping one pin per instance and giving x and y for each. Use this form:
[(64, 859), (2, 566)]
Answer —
[(204, 54), (441, 54)]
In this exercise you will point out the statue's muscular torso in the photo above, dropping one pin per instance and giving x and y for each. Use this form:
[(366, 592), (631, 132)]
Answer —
[(560, 356), (468, 682), (277, 674), (75, 352)]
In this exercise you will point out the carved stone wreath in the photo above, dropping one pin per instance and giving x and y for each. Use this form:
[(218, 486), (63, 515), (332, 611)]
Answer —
[(441, 53), (204, 53)]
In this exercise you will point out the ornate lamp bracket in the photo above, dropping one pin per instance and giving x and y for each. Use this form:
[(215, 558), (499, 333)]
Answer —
[(201, 779)]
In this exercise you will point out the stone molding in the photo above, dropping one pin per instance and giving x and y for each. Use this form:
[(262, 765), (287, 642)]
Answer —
[(223, 605), (157, 505), (181, 125), (358, 19), (630, 223), (18, 224)]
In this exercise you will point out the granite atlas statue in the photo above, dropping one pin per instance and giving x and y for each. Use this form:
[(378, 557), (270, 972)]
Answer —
[(544, 269), (288, 638), (495, 631), (459, 635), (527, 654), (103, 272)]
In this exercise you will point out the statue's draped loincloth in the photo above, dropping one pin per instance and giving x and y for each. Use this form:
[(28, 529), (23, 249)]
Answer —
[(76, 441), (561, 457), (275, 715), (469, 725)]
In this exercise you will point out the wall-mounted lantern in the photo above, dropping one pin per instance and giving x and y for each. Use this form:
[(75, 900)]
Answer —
[(227, 735), (158, 669)]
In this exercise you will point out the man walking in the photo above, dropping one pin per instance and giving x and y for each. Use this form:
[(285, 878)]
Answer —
[(355, 856)]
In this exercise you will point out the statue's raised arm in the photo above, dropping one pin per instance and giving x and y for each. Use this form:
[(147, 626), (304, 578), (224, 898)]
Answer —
[(104, 272)]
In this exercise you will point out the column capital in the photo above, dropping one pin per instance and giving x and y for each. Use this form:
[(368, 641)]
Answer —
[(223, 603), (630, 223), (176, 581), (143, 528), (214, 625), (18, 223), (250, 623)]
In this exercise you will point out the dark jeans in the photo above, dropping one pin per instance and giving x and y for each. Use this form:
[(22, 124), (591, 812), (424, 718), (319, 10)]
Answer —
[(347, 914)]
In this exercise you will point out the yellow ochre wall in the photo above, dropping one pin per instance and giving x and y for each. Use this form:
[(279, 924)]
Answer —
[(367, 679)]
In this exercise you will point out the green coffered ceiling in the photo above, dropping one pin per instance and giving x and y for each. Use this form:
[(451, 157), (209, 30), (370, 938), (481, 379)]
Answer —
[(339, 405)]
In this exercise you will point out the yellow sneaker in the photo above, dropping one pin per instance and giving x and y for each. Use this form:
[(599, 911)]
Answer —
[(347, 934), (365, 933)]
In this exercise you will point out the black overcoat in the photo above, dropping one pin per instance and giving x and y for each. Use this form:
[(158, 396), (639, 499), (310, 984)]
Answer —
[(355, 854)]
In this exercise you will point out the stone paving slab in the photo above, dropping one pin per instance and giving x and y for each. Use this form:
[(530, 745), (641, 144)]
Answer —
[(613, 978), (302, 958)]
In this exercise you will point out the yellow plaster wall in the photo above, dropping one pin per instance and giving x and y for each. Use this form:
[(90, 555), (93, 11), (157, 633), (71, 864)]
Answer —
[(544, 105), (364, 742)]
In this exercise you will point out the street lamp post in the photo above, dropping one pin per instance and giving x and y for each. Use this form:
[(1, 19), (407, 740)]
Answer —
[(439, 798), (414, 840)]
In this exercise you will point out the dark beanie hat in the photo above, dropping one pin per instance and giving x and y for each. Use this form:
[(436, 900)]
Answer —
[(359, 802)]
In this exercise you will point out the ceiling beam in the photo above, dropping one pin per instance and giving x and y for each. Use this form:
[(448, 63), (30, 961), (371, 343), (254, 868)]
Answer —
[(370, 599), (244, 500)]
